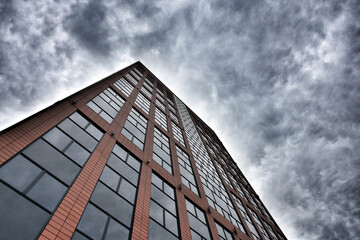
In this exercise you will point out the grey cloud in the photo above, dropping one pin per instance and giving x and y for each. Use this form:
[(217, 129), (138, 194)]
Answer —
[(87, 22)]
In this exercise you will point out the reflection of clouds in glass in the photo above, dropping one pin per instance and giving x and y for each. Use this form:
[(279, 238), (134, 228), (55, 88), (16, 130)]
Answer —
[(19, 172), (162, 209), (93, 222), (156, 232), (196, 216), (52, 160), (32, 217), (47, 192)]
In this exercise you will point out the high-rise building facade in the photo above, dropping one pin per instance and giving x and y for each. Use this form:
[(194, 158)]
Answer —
[(124, 159)]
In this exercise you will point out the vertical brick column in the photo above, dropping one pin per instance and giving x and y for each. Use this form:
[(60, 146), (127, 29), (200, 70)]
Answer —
[(142, 210), (66, 217)]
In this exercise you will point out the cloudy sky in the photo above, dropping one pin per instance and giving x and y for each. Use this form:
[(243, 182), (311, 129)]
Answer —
[(278, 81)]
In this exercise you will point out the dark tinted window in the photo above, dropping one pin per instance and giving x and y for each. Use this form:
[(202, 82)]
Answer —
[(19, 172), (52, 160), (26, 225), (47, 191), (112, 203), (93, 222)]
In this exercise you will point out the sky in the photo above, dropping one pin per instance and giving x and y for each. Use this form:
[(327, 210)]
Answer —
[(278, 81)]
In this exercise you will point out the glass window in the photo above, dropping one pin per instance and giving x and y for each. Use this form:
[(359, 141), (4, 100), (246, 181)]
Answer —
[(158, 232), (160, 118), (186, 171), (224, 234), (161, 150), (174, 117), (178, 134), (148, 85), (271, 230), (78, 236), (57, 138), (19, 172), (198, 225), (93, 222), (135, 74), (135, 128), (247, 218), (131, 79), (107, 104), (123, 85), (47, 191), (259, 224), (43, 172), (163, 223), (32, 217), (123, 169), (78, 134), (146, 92), (77, 153), (116, 231), (52, 160), (143, 103), (112, 203), (215, 191), (160, 104)]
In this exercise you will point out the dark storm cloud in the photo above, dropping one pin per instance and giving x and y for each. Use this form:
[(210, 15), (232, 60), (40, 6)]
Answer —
[(87, 23), (282, 76)]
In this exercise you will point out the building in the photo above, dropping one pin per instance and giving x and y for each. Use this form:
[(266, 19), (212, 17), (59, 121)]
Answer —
[(124, 159)]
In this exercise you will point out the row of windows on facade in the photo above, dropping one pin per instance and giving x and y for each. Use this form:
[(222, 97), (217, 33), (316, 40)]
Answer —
[(228, 166), (222, 165), (126, 85), (107, 104), (135, 125), (214, 189)]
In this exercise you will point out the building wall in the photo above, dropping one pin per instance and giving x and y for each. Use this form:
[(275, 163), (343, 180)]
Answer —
[(98, 134)]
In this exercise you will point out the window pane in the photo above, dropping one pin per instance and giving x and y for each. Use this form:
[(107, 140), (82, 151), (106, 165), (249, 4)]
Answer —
[(96, 133), (163, 199), (78, 236), (52, 160), (110, 178), (78, 134), (198, 226), (156, 212), (94, 107), (171, 223), (47, 191), (77, 153), (116, 231), (123, 169), (127, 191), (112, 203), (19, 172), (158, 232), (93, 222), (76, 117), (57, 138), (32, 218), (133, 162), (120, 152)]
